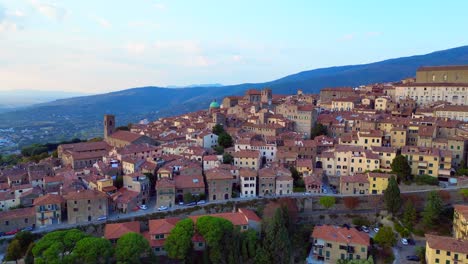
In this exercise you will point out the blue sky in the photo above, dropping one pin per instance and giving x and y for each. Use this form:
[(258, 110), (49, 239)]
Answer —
[(100, 46)]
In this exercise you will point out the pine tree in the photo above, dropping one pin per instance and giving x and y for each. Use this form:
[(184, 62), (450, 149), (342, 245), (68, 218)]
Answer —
[(433, 209), (409, 214), (277, 243), (401, 168), (392, 196)]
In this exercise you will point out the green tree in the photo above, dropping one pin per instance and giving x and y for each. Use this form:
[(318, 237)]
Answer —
[(55, 247), (385, 237), (401, 168), (421, 253), (188, 198), (433, 209), (369, 260), (29, 257), (392, 197), (227, 158), (215, 230), (179, 243), (218, 129), (218, 149), (91, 250), (14, 251), (25, 238), (318, 130), (131, 247), (409, 214), (225, 140), (327, 201), (250, 244), (277, 242)]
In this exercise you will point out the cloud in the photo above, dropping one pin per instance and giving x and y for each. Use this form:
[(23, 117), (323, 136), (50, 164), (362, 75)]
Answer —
[(6, 26), (185, 46), (50, 10), (17, 13), (102, 22), (347, 37), (143, 24), (159, 6), (373, 34), (236, 58), (135, 48)]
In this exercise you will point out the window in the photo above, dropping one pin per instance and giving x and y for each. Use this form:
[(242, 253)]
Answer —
[(363, 249), (329, 245), (437, 251)]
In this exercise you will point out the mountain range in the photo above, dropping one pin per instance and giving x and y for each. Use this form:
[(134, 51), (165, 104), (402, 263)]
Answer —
[(82, 116)]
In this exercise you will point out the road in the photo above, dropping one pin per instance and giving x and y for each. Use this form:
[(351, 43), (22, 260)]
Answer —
[(152, 209)]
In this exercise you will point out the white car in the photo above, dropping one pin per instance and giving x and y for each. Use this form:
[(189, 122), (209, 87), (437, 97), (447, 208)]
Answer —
[(201, 202), (163, 208), (404, 241), (376, 229), (325, 191), (143, 207), (101, 218), (365, 229)]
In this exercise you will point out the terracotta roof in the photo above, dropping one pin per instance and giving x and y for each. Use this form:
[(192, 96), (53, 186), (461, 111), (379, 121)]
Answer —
[(165, 183), (115, 231), (357, 178), (162, 226), (341, 235), (251, 215), (18, 213), (86, 146), (85, 194), (380, 175), (236, 219), (189, 181), (447, 243), (304, 163), (49, 199), (246, 172), (210, 158), (125, 136), (462, 209), (218, 174), (197, 238), (247, 154)]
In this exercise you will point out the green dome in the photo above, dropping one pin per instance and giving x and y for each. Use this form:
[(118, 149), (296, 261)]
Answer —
[(214, 104)]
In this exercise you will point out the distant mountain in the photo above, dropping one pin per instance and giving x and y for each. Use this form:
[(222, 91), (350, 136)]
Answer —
[(21, 98), (82, 116), (196, 85)]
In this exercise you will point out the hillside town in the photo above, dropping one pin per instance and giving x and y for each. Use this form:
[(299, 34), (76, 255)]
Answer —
[(343, 142)]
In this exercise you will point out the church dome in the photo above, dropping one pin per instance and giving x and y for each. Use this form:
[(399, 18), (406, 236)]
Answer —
[(214, 104)]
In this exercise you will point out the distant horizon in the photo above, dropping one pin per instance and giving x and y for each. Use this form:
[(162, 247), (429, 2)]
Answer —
[(99, 47)]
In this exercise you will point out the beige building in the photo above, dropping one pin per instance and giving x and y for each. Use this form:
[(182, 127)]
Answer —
[(460, 221), (427, 93), (442, 74), (165, 192), (139, 183), (429, 161), (219, 184), (85, 206), (17, 219), (440, 249), (247, 159), (303, 116), (455, 112), (344, 160), (332, 243), (356, 184), (49, 209), (398, 137)]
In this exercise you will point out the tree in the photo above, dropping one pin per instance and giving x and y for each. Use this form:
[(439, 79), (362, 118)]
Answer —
[(370, 260), (179, 242), (277, 242), (433, 209), (188, 198), (225, 140), (227, 158), (421, 253), (56, 247), (91, 250), (131, 247), (14, 251), (250, 244), (318, 130), (29, 257), (327, 201), (385, 237), (401, 168), (351, 202), (218, 129), (392, 197), (218, 149), (409, 214), (215, 230)]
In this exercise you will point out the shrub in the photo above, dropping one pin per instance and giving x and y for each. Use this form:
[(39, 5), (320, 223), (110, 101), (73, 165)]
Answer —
[(361, 221), (403, 231), (327, 201), (426, 179)]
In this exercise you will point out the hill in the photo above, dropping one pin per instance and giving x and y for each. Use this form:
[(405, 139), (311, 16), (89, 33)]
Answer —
[(82, 116)]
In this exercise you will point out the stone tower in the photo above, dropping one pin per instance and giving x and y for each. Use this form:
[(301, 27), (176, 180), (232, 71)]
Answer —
[(109, 125), (266, 96)]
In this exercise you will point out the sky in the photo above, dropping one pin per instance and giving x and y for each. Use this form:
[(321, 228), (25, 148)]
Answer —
[(101, 46)]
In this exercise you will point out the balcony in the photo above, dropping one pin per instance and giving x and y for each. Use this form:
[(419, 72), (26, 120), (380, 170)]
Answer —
[(422, 165), (443, 172)]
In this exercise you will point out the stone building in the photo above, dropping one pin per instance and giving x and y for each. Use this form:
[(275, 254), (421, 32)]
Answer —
[(85, 206)]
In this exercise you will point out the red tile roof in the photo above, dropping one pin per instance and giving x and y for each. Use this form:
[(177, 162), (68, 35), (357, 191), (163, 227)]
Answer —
[(125, 136), (115, 231), (341, 235), (85, 194), (49, 199), (447, 243), (162, 226)]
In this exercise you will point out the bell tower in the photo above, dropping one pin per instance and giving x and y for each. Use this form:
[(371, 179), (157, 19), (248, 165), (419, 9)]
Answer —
[(109, 125)]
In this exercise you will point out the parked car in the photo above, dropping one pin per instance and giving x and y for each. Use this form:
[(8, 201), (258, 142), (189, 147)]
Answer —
[(192, 204), (29, 228), (102, 218), (324, 191), (2, 234), (413, 258), (163, 208), (143, 207), (404, 241), (376, 229), (201, 202), (12, 232), (365, 229), (181, 203), (358, 228), (411, 241)]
